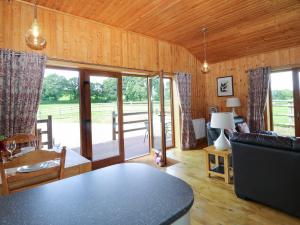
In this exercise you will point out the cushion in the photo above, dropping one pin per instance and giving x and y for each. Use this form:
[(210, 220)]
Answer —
[(279, 142), (243, 127), (229, 132)]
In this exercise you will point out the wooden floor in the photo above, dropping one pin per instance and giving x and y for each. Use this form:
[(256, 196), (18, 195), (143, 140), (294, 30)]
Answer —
[(215, 202)]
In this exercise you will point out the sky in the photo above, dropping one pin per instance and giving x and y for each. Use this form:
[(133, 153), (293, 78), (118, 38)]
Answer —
[(282, 80), (66, 73), (72, 73)]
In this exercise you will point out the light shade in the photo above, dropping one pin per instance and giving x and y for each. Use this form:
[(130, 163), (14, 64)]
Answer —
[(33, 37), (205, 67), (222, 120), (233, 102)]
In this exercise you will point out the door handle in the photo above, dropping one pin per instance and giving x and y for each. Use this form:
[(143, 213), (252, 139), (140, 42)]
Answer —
[(298, 115)]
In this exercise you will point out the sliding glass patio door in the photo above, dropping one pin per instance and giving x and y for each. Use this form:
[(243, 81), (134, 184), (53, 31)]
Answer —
[(102, 122), (157, 115)]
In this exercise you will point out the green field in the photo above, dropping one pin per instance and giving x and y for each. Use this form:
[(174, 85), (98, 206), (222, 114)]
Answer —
[(101, 112)]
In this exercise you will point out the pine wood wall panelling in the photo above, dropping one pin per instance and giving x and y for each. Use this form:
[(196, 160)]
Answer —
[(237, 68), (198, 93), (164, 59), (2, 27), (73, 38)]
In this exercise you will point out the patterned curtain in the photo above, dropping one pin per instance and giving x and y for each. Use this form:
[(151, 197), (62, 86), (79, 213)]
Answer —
[(259, 80), (183, 83), (21, 77)]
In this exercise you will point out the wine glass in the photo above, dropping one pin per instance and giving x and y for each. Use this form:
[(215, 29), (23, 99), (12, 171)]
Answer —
[(56, 144), (11, 147), (33, 145)]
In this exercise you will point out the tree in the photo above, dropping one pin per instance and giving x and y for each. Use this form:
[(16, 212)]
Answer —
[(282, 94), (73, 88), (110, 90), (134, 89), (54, 87), (97, 94)]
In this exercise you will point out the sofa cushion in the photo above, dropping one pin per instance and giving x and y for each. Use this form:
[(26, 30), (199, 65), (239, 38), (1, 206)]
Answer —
[(279, 142), (243, 127), (229, 132)]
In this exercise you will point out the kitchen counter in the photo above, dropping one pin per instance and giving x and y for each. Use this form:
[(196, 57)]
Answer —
[(128, 193)]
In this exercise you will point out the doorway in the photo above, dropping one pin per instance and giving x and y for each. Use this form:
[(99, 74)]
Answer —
[(285, 102), (124, 116)]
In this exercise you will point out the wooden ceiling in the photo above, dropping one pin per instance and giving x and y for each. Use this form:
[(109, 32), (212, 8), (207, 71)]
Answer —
[(235, 28)]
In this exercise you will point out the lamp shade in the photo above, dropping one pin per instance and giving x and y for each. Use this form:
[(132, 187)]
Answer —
[(223, 120), (233, 102)]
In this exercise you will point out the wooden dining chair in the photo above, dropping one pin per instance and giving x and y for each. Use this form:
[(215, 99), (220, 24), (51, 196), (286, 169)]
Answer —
[(17, 181), (23, 140)]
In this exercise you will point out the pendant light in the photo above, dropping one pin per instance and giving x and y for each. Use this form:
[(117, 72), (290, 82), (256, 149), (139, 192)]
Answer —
[(33, 37), (205, 67)]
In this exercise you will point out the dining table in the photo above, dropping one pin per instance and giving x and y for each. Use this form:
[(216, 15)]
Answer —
[(124, 194), (74, 164)]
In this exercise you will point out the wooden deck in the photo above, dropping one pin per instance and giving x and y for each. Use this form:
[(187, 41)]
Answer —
[(215, 201), (134, 147)]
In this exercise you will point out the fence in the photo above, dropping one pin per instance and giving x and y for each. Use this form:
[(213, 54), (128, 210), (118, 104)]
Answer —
[(114, 123), (283, 113), (48, 132), (71, 111)]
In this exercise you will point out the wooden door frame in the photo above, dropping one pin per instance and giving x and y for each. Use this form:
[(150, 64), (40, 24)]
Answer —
[(172, 111), (296, 95), (86, 120), (162, 117)]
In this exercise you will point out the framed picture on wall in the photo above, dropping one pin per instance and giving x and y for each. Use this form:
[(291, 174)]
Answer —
[(225, 86)]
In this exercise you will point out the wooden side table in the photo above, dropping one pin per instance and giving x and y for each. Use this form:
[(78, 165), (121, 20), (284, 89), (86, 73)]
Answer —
[(217, 169)]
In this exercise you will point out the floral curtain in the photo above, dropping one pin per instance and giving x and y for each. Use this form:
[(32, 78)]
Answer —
[(259, 80), (183, 83), (21, 77)]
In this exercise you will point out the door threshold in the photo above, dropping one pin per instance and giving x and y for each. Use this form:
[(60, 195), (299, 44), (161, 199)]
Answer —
[(137, 156)]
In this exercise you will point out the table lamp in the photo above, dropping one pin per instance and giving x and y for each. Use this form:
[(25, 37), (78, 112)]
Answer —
[(222, 120), (232, 103)]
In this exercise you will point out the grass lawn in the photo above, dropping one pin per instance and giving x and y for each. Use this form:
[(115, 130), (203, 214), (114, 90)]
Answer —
[(101, 112)]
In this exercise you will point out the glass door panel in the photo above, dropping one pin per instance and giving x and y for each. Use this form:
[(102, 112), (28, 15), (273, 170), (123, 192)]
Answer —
[(283, 103), (105, 121), (158, 140), (135, 117), (168, 112)]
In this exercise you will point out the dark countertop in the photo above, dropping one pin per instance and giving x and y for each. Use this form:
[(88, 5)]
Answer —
[(128, 193)]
